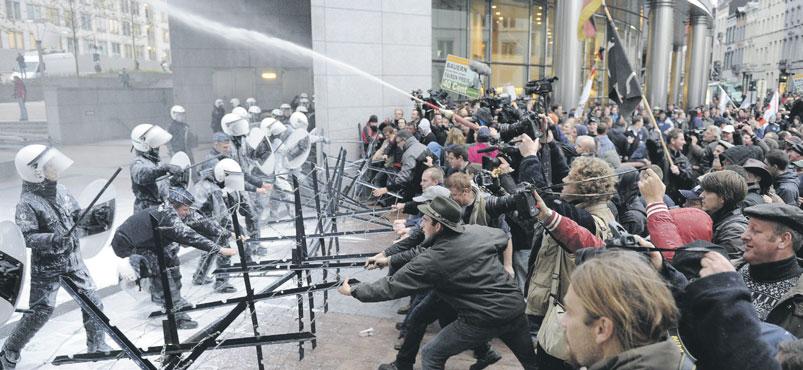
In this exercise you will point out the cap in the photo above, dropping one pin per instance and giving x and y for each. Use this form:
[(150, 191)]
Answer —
[(789, 216), (729, 129), (484, 134), (798, 163), (179, 195), (693, 193), (445, 211), (687, 260), (220, 137), (285, 106), (431, 192), (798, 147)]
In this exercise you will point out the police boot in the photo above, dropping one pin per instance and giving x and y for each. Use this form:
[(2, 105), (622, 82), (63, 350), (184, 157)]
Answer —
[(99, 347), (201, 275), (223, 286), (184, 322), (8, 360)]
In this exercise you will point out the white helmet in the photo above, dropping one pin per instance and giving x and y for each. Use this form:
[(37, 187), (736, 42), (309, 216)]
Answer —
[(175, 110), (37, 162), (250, 101), (229, 172), (298, 120), (272, 126), (301, 108), (218, 102), (276, 112), (234, 102), (240, 111), (234, 125), (146, 136), (254, 109)]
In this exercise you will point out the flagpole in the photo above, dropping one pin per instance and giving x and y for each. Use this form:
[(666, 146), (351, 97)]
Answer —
[(643, 98)]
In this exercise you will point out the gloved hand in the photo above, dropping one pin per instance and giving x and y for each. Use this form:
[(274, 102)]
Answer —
[(60, 241), (171, 168)]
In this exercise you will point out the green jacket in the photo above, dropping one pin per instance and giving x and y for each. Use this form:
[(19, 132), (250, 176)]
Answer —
[(464, 270), (788, 312), (664, 355)]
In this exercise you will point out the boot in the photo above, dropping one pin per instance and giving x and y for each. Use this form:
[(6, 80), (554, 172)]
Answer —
[(8, 360), (490, 358), (186, 324), (224, 287), (202, 280), (100, 347), (395, 366)]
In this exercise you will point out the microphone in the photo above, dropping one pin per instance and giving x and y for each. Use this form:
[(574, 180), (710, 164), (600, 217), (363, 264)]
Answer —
[(479, 67)]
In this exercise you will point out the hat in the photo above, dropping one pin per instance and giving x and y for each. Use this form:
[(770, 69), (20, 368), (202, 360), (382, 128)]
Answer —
[(484, 134), (179, 195), (285, 106), (403, 135), (759, 169), (458, 150), (220, 137), (725, 144), (729, 129), (798, 163), (445, 211), (789, 216), (431, 192), (693, 193), (798, 147), (483, 116)]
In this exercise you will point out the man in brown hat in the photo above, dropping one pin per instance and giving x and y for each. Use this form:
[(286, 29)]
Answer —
[(461, 264)]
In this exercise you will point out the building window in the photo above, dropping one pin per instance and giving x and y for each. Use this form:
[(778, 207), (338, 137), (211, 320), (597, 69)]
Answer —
[(13, 10), (34, 12), (126, 28), (129, 51), (86, 22), (114, 26), (15, 40), (100, 24), (125, 6), (53, 16), (135, 8), (116, 49), (71, 45)]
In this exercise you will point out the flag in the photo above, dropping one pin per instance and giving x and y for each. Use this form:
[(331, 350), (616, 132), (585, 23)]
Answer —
[(724, 99), (581, 105), (624, 86), (772, 109), (745, 102), (585, 27)]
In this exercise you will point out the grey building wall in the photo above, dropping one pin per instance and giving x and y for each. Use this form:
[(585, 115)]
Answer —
[(79, 115), (207, 67), (388, 39)]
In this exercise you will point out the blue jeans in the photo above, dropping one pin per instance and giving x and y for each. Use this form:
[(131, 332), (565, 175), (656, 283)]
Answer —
[(520, 265), (461, 335)]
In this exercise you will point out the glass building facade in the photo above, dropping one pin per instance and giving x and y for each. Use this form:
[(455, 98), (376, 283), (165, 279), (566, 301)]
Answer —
[(515, 37)]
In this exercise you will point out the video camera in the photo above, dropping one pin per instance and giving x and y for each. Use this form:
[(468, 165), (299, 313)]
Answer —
[(438, 98), (539, 87), (530, 124)]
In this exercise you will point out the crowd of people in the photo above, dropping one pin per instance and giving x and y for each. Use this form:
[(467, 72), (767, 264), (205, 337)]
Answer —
[(597, 240)]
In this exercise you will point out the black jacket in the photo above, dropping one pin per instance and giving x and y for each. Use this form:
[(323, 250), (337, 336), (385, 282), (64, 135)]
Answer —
[(217, 115), (720, 326), (630, 208), (137, 232), (464, 270), (728, 228), (786, 186)]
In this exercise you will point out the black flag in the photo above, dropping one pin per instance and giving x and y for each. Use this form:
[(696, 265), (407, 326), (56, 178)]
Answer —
[(624, 86)]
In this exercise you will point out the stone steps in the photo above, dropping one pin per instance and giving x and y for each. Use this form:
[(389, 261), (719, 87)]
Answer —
[(14, 135)]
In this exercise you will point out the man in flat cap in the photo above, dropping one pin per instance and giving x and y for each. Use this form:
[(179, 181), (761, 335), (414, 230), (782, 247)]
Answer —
[(771, 240), (462, 265)]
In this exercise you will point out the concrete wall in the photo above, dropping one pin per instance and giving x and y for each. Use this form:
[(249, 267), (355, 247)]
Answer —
[(79, 115), (388, 39), (208, 67)]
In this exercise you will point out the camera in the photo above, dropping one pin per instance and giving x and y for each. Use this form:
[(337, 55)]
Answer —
[(529, 124), (539, 87)]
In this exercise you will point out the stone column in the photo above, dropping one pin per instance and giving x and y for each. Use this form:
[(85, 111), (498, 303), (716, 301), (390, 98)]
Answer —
[(698, 77), (660, 51), (677, 72), (567, 53)]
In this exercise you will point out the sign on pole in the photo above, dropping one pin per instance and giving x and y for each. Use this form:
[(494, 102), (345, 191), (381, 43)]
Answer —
[(459, 78)]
